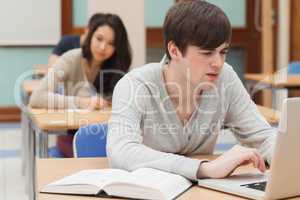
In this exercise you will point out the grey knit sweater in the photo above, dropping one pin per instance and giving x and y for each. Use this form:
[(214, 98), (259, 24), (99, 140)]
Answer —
[(145, 130)]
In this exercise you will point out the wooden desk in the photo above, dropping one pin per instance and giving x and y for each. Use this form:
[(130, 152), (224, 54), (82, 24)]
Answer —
[(27, 87), (258, 82), (60, 120), (274, 80), (30, 85), (272, 116), (63, 167), (44, 122)]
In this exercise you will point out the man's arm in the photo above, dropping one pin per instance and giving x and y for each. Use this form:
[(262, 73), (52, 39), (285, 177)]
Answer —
[(243, 117)]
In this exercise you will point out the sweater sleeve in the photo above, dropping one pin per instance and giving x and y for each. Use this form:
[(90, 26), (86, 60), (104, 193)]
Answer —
[(249, 126), (125, 146), (51, 91)]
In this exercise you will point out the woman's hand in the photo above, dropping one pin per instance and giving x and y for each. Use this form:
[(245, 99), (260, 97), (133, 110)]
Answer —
[(225, 164), (100, 103), (93, 103)]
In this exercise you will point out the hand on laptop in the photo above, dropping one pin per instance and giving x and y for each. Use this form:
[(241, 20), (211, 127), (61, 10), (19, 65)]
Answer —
[(225, 164)]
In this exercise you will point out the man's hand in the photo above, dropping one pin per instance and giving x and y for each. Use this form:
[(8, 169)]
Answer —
[(225, 164)]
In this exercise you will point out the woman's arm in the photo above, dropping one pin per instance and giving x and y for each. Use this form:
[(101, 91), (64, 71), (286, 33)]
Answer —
[(52, 89)]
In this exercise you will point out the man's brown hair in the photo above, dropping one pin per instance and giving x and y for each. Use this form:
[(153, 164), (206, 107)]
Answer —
[(196, 23)]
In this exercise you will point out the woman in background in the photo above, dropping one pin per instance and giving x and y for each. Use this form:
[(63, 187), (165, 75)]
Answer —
[(69, 42), (84, 78)]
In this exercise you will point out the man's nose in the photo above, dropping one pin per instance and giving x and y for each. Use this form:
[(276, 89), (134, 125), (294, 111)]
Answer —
[(217, 61)]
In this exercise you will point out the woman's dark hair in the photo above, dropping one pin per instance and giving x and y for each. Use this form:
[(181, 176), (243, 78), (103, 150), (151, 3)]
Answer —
[(196, 23), (118, 64)]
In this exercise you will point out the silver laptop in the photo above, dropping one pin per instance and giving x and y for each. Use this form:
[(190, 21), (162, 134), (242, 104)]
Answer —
[(283, 178)]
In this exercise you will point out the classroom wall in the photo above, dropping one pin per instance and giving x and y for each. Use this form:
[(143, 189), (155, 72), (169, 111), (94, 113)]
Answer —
[(234, 9), (155, 11), (80, 13), (13, 62)]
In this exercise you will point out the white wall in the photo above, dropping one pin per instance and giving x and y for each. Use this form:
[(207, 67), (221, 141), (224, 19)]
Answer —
[(30, 22), (283, 49), (132, 14)]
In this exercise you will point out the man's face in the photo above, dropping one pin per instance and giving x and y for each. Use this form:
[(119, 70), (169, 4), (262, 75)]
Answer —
[(201, 66)]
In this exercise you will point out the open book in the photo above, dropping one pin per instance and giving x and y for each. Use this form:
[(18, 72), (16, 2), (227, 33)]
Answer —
[(143, 183)]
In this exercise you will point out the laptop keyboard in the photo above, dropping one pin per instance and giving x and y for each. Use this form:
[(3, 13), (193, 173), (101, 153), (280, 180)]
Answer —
[(257, 186)]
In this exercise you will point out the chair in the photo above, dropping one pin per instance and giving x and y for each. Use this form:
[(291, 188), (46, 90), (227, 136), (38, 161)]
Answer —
[(294, 68), (54, 152), (90, 141)]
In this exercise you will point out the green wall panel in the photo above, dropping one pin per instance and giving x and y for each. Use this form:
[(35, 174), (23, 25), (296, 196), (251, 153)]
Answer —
[(14, 61), (155, 11), (80, 12), (235, 10)]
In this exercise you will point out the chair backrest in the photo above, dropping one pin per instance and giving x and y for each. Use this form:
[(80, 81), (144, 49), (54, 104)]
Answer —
[(90, 141), (294, 68)]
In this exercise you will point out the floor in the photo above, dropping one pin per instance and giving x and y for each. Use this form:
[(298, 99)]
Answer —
[(12, 182)]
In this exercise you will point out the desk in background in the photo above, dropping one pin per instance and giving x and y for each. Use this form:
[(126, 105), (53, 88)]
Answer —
[(258, 82), (272, 116), (44, 122), (274, 80)]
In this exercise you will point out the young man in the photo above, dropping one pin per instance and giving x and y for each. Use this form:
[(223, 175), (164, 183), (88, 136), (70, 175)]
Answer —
[(164, 112)]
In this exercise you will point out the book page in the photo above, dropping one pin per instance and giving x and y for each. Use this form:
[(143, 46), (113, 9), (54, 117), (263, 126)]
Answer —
[(97, 177), (168, 183)]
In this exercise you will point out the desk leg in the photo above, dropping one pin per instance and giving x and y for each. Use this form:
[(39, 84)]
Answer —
[(248, 86), (274, 99), (25, 132), (251, 88), (31, 162), (26, 148), (25, 141), (43, 144)]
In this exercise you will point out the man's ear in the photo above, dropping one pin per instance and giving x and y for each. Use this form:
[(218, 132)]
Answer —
[(174, 51)]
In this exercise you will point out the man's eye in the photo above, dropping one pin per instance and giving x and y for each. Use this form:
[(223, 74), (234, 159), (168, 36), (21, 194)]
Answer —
[(208, 53), (224, 52)]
